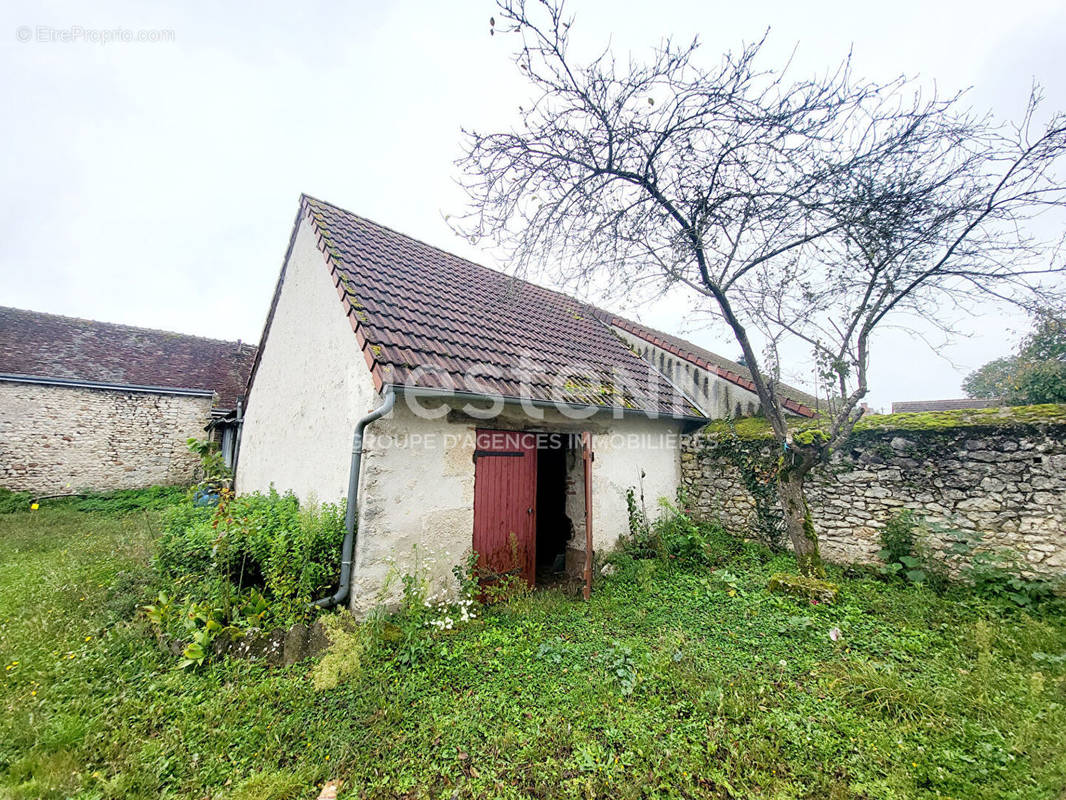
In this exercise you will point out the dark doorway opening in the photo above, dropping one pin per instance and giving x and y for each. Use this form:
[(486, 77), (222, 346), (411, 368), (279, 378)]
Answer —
[(554, 528)]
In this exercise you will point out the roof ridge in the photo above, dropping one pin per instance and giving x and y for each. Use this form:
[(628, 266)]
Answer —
[(127, 327), (448, 253)]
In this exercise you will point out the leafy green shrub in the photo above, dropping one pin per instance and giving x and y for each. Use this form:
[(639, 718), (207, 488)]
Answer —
[(705, 543), (992, 574), (186, 542), (677, 537), (899, 536), (680, 536), (996, 575), (255, 541), (217, 476), (905, 555), (10, 501), (898, 540), (251, 562)]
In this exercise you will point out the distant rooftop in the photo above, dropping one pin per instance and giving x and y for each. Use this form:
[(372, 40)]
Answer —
[(916, 406), (37, 345)]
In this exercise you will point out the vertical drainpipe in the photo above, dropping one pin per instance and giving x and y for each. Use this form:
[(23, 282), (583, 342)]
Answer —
[(350, 513), (237, 427)]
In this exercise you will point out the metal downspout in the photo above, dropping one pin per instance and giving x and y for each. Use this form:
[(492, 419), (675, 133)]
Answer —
[(237, 427), (350, 513)]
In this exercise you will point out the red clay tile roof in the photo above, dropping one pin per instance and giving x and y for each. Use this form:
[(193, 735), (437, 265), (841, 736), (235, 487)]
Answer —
[(48, 346), (427, 318), (912, 406), (795, 400)]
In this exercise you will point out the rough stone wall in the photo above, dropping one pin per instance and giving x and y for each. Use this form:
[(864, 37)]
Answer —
[(57, 439), (1007, 484)]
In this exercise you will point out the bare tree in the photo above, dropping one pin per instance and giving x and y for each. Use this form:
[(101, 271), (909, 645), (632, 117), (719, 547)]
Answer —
[(808, 210)]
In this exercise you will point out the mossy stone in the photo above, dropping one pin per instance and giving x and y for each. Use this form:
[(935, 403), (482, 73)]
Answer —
[(802, 586)]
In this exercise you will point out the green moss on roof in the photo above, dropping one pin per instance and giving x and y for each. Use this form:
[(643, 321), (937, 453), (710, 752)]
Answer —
[(1046, 414), (582, 386)]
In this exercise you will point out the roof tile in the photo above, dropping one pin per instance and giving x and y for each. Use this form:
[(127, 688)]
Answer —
[(51, 346), (433, 319)]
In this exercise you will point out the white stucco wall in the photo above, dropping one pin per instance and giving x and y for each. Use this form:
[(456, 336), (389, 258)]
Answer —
[(417, 494), (311, 387), (416, 501)]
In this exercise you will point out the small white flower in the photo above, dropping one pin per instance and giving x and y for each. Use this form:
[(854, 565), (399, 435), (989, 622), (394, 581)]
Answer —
[(834, 634)]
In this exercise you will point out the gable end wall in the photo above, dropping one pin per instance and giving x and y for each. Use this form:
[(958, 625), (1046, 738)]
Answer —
[(311, 387)]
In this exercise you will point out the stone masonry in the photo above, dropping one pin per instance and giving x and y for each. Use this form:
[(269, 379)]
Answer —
[(56, 439), (1006, 483)]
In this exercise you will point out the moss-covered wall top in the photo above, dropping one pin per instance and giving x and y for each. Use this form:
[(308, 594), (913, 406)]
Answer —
[(1051, 414), (995, 474)]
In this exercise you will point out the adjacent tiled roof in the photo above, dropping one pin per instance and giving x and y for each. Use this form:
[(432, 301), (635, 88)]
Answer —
[(795, 400), (913, 406), (66, 348), (427, 318)]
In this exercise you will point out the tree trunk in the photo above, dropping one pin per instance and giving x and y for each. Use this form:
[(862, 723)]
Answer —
[(798, 522)]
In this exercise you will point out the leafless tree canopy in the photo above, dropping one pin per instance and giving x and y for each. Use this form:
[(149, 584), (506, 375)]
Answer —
[(812, 209)]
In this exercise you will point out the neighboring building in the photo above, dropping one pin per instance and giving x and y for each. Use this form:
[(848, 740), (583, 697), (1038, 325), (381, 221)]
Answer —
[(88, 405), (720, 387), (913, 406), (510, 399)]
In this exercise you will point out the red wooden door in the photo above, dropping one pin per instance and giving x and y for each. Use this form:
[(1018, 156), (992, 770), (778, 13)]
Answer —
[(505, 503)]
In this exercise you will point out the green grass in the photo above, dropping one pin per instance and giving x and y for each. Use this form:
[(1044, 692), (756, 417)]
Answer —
[(737, 693)]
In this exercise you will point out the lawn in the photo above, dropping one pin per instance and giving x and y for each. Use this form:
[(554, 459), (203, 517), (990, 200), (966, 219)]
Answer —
[(670, 682)]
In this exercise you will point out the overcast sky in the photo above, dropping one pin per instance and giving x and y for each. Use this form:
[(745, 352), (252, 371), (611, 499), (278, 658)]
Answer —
[(155, 183)]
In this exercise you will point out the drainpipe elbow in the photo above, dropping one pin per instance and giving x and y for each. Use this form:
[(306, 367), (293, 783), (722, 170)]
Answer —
[(351, 517)]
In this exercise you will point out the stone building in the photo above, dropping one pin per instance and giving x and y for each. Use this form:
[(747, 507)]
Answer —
[(515, 418), (88, 405)]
